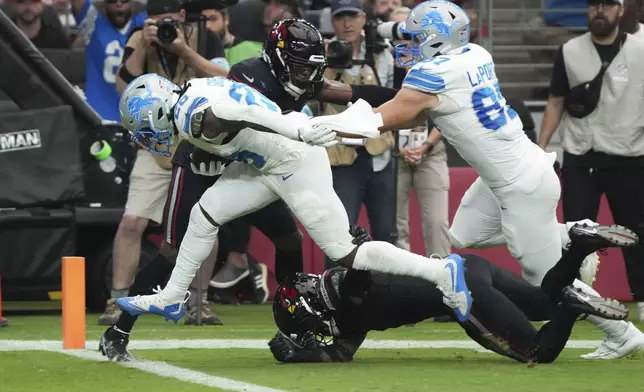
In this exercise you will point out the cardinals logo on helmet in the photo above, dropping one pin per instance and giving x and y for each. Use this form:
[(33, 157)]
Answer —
[(278, 34), (288, 298)]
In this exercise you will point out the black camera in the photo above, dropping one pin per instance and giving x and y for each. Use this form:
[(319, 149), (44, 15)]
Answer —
[(167, 30), (340, 53)]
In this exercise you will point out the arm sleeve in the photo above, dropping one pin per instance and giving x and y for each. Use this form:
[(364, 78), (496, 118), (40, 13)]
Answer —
[(262, 119), (559, 85), (374, 95)]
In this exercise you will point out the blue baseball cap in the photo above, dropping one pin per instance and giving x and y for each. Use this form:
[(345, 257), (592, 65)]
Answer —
[(339, 6)]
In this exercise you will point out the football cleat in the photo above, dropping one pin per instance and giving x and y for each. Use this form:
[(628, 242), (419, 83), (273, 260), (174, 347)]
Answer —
[(585, 303), (589, 269), (456, 295), (153, 304), (613, 347), (115, 349), (602, 236)]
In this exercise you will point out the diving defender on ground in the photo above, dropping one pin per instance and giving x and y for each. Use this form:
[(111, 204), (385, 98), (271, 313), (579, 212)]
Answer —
[(325, 318)]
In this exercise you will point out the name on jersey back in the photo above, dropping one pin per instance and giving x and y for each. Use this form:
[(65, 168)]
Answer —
[(482, 74)]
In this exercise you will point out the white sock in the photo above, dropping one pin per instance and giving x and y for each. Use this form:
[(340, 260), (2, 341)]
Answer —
[(384, 257), (611, 328), (195, 248)]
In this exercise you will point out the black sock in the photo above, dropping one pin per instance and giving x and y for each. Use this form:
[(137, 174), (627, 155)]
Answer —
[(553, 336), (563, 273), (150, 276), (288, 263)]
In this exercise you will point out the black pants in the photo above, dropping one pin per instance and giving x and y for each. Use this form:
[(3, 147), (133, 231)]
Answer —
[(275, 220), (504, 304), (624, 189), (503, 308), (358, 184)]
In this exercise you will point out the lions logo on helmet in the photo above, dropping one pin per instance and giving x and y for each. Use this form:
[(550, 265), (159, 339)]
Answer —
[(436, 27), (145, 112), (434, 18)]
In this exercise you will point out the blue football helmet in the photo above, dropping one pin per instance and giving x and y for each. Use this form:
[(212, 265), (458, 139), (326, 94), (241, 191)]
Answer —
[(146, 112), (436, 27)]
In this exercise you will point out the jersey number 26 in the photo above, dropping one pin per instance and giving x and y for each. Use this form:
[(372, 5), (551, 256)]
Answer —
[(490, 108), (248, 95)]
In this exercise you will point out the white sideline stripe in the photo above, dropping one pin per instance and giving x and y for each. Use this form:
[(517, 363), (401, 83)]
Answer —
[(163, 369), (170, 344)]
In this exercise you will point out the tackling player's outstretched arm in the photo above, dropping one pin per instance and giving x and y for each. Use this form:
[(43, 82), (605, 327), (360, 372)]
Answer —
[(207, 120), (406, 110)]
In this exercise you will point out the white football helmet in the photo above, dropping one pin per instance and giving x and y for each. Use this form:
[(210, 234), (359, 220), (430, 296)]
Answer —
[(146, 112), (436, 27)]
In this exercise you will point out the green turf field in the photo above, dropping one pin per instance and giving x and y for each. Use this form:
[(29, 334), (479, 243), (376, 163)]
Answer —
[(235, 357)]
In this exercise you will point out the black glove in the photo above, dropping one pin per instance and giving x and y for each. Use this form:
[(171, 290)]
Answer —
[(360, 235), (205, 164), (284, 349)]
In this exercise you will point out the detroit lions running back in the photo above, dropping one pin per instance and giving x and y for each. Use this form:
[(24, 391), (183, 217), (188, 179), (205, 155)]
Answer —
[(234, 121), (514, 199)]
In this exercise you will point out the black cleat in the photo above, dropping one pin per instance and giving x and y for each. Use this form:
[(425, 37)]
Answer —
[(115, 349), (602, 236), (585, 303)]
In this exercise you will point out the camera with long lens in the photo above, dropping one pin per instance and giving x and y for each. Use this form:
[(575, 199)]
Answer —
[(340, 52), (167, 30)]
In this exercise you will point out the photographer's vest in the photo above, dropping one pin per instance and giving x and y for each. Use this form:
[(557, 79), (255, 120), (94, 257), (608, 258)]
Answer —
[(340, 154), (616, 126), (183, 73)]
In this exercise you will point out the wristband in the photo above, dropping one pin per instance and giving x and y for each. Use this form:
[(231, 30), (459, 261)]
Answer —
[(100, 150)]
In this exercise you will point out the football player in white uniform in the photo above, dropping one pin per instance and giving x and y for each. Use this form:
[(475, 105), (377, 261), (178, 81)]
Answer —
[(514, 199), (234, 121)]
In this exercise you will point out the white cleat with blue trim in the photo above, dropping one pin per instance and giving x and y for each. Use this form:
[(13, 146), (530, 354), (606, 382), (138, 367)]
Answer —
[(153, 304), (456, 295)]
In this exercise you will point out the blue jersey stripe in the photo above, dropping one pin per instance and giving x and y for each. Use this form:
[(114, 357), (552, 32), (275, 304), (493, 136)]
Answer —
[(424, 81)]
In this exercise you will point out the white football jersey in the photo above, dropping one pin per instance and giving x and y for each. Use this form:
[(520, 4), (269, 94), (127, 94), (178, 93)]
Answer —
[(229, 100), (473, 115)]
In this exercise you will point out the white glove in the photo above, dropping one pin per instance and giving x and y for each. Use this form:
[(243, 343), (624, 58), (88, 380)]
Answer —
[(210, 169), (317, 135), (359, 120)]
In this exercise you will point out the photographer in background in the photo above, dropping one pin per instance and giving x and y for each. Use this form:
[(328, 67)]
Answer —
[(363, 171), (167, 46)]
